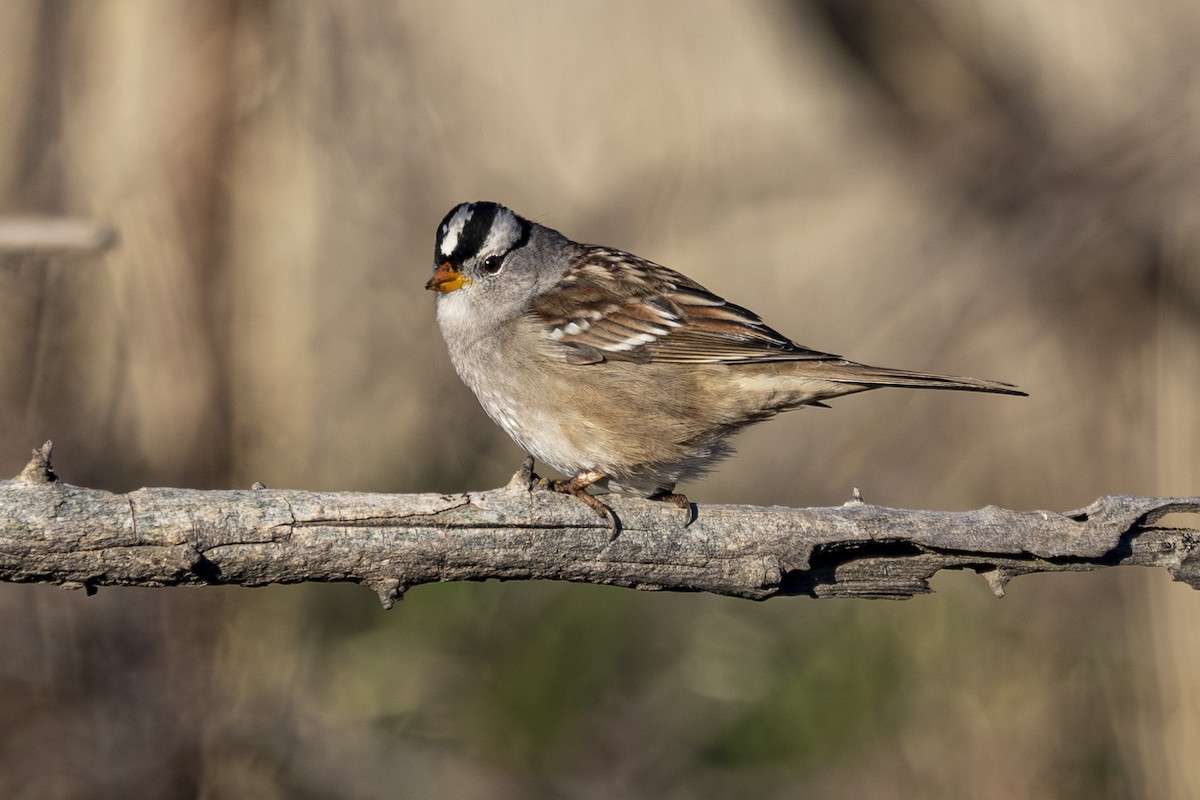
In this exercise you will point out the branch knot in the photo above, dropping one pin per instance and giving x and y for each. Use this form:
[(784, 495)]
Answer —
[(39, 469)]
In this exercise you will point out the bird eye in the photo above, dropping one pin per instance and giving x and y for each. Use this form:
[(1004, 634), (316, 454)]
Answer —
[(492, 264)]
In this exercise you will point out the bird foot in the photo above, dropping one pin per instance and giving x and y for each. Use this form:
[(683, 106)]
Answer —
[(662, 495), (577, 487)]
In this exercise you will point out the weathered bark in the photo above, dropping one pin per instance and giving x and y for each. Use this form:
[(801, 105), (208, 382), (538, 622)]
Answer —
[(51, 532)]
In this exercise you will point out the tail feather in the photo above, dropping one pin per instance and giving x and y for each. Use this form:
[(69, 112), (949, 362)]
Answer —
[(875, 377)]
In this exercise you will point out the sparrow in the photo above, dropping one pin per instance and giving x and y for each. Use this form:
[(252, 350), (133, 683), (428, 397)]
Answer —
[(618, 372)]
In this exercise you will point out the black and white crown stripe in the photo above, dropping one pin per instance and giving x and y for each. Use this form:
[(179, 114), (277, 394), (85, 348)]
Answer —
[(475, 228)]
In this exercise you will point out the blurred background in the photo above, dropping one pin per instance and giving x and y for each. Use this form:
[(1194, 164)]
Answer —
[(1007, 189)]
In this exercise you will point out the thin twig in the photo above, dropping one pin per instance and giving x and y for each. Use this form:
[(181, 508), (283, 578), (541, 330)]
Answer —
[(30, 234)]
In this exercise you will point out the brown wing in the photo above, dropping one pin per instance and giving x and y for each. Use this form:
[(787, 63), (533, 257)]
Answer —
[(612, 305)]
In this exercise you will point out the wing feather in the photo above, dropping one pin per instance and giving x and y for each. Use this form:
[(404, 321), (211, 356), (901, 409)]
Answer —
[(617, 306)]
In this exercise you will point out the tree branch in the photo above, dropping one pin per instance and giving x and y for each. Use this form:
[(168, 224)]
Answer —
[(51, 532), (43, 235)]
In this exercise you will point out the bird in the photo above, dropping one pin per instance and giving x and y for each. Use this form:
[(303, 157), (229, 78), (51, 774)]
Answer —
[(620, 373)]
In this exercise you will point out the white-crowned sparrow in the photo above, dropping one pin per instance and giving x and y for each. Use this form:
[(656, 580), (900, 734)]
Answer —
[(615, 370)]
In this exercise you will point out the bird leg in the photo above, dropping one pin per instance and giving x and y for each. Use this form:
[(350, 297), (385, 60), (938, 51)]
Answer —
[(577, 488)]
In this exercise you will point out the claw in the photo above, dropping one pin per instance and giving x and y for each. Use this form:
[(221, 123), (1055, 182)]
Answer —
[(680, 500), (577, 488)]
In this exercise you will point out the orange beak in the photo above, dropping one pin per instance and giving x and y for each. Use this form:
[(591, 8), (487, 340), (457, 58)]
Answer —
[(446, 279)]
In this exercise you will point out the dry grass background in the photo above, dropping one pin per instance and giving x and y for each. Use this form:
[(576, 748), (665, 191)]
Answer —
[(1003, 188)]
